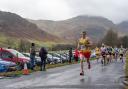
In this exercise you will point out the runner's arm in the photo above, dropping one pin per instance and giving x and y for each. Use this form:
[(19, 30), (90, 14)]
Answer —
[(89, 42)]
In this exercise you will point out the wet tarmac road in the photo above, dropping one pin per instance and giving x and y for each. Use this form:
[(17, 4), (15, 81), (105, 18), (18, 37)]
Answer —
[(67, 77)]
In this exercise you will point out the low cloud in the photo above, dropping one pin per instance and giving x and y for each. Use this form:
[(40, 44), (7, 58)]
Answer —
[(115, 10)]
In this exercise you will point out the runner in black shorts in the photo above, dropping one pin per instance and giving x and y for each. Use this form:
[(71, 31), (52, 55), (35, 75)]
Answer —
[(116, 52), (121, 52), (109, 49), (103, 53)]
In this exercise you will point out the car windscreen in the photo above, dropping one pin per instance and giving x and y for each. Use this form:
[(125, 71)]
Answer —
[(49, 55), (26, 54), (16, 53)]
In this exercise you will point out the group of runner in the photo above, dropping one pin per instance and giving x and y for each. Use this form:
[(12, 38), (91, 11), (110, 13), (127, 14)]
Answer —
[(106, 52), (109, 53)]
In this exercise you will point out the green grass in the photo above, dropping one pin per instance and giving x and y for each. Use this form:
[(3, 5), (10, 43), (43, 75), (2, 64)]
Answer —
[(37, 68), (93, 59), (6, 41)]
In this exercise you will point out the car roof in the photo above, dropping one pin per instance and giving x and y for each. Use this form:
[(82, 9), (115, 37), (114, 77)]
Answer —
[(9, 49), (5, 49)]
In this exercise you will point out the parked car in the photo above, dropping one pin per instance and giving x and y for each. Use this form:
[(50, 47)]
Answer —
[(54, 59), (63, 58), (6, 66), (14, 56), (66, 55), (3, 68), (38, 59), (49, 60)]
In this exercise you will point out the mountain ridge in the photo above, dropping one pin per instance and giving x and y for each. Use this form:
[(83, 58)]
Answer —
[(13, 25), (71, 28)]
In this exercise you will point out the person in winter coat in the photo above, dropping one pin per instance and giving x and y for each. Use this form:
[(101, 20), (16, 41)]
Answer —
[(43, 55), (70, 55)]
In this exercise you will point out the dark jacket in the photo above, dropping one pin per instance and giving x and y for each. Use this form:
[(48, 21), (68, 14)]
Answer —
[(43, 53), (70, 52), (32, 51)]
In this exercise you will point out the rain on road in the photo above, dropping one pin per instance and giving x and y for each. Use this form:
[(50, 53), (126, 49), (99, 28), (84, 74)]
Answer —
[(67, 77)]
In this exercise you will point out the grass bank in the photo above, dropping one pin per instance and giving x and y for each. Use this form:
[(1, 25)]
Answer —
[(37, 68)]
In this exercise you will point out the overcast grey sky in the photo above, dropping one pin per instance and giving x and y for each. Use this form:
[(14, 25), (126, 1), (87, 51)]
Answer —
[(115, 10)]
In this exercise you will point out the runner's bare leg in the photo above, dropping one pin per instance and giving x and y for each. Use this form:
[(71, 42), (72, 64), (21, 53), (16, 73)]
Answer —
[(82, 66), (88, 61)]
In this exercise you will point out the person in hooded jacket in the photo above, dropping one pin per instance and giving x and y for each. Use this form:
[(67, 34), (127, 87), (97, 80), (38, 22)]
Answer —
[(43, 55), (32, 55)]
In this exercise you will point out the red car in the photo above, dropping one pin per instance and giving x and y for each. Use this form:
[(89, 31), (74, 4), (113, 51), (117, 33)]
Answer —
[(13, 55)]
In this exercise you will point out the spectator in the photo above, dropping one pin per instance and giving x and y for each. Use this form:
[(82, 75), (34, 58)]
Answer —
[(76, 55), (43, 55), (32, 55), (70, 55)]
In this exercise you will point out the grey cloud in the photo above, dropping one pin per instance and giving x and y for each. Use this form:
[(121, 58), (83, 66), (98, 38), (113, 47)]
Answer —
[(116, 10)]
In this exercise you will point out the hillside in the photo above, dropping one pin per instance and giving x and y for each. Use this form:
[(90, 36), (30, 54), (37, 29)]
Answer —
[(12, 25), (123, 27), (70, 29)]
